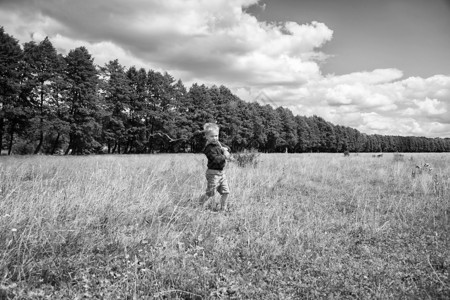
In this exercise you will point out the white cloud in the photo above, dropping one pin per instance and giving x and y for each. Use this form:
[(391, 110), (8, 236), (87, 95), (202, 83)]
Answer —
[(377, 76), (214, 40), (379, 102), (430, 107)]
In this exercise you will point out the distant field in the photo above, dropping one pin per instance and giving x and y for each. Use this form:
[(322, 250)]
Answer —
[(301, 226)]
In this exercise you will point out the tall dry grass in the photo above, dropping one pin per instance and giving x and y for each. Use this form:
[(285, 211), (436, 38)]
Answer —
[(300, 226)]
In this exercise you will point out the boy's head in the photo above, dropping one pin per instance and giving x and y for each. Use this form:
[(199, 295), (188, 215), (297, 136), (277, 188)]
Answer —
[(211, 132)]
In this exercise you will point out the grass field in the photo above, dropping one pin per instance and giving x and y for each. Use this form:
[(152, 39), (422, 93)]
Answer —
[(301, 226)]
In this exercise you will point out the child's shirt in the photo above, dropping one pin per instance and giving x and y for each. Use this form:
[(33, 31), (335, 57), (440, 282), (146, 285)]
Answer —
[(216, 158)]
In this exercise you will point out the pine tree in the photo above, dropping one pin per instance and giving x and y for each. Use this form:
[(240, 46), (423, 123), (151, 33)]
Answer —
[(10, 59), (139, 97), (116, 97), (289, 134), (41, 61), (303, 133), (82, 102)]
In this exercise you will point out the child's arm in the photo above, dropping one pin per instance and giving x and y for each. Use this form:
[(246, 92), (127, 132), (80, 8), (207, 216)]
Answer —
[(225, 147), (226, 151)]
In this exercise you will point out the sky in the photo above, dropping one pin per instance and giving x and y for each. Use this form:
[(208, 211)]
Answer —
[(381, 67)]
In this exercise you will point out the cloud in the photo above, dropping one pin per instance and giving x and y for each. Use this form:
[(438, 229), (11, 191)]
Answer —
[(220, 42), (210, 41), (429, 107), (380, 104), (437, 86)]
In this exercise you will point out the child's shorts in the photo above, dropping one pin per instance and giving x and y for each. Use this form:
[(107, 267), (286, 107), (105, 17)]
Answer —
[(216, 180)]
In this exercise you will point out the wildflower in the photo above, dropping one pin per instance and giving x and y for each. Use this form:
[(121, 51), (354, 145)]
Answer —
[(13, 229)]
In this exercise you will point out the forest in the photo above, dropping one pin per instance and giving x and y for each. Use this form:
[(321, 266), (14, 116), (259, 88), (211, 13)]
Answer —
[(53, 103)]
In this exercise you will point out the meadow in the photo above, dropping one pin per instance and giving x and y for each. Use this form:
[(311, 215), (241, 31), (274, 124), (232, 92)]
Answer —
[(300, 226)]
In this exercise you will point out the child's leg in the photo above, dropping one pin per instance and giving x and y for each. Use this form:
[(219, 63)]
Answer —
[(208, 202), (223, 202), (224, 190), (211, 182), (203, 199)]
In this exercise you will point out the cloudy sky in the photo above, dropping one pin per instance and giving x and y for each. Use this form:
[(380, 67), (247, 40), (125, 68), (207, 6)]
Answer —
[(377, 66)]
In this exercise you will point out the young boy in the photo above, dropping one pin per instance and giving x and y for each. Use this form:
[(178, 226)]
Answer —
[(215, 176)]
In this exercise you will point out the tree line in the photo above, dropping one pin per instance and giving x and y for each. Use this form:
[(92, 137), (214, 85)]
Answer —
[(53, 103)]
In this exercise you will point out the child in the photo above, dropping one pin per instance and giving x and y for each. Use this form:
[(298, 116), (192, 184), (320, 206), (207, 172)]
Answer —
[(217, 156)]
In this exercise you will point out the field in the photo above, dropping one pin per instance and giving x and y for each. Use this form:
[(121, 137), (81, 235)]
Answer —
[(301, 226)]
